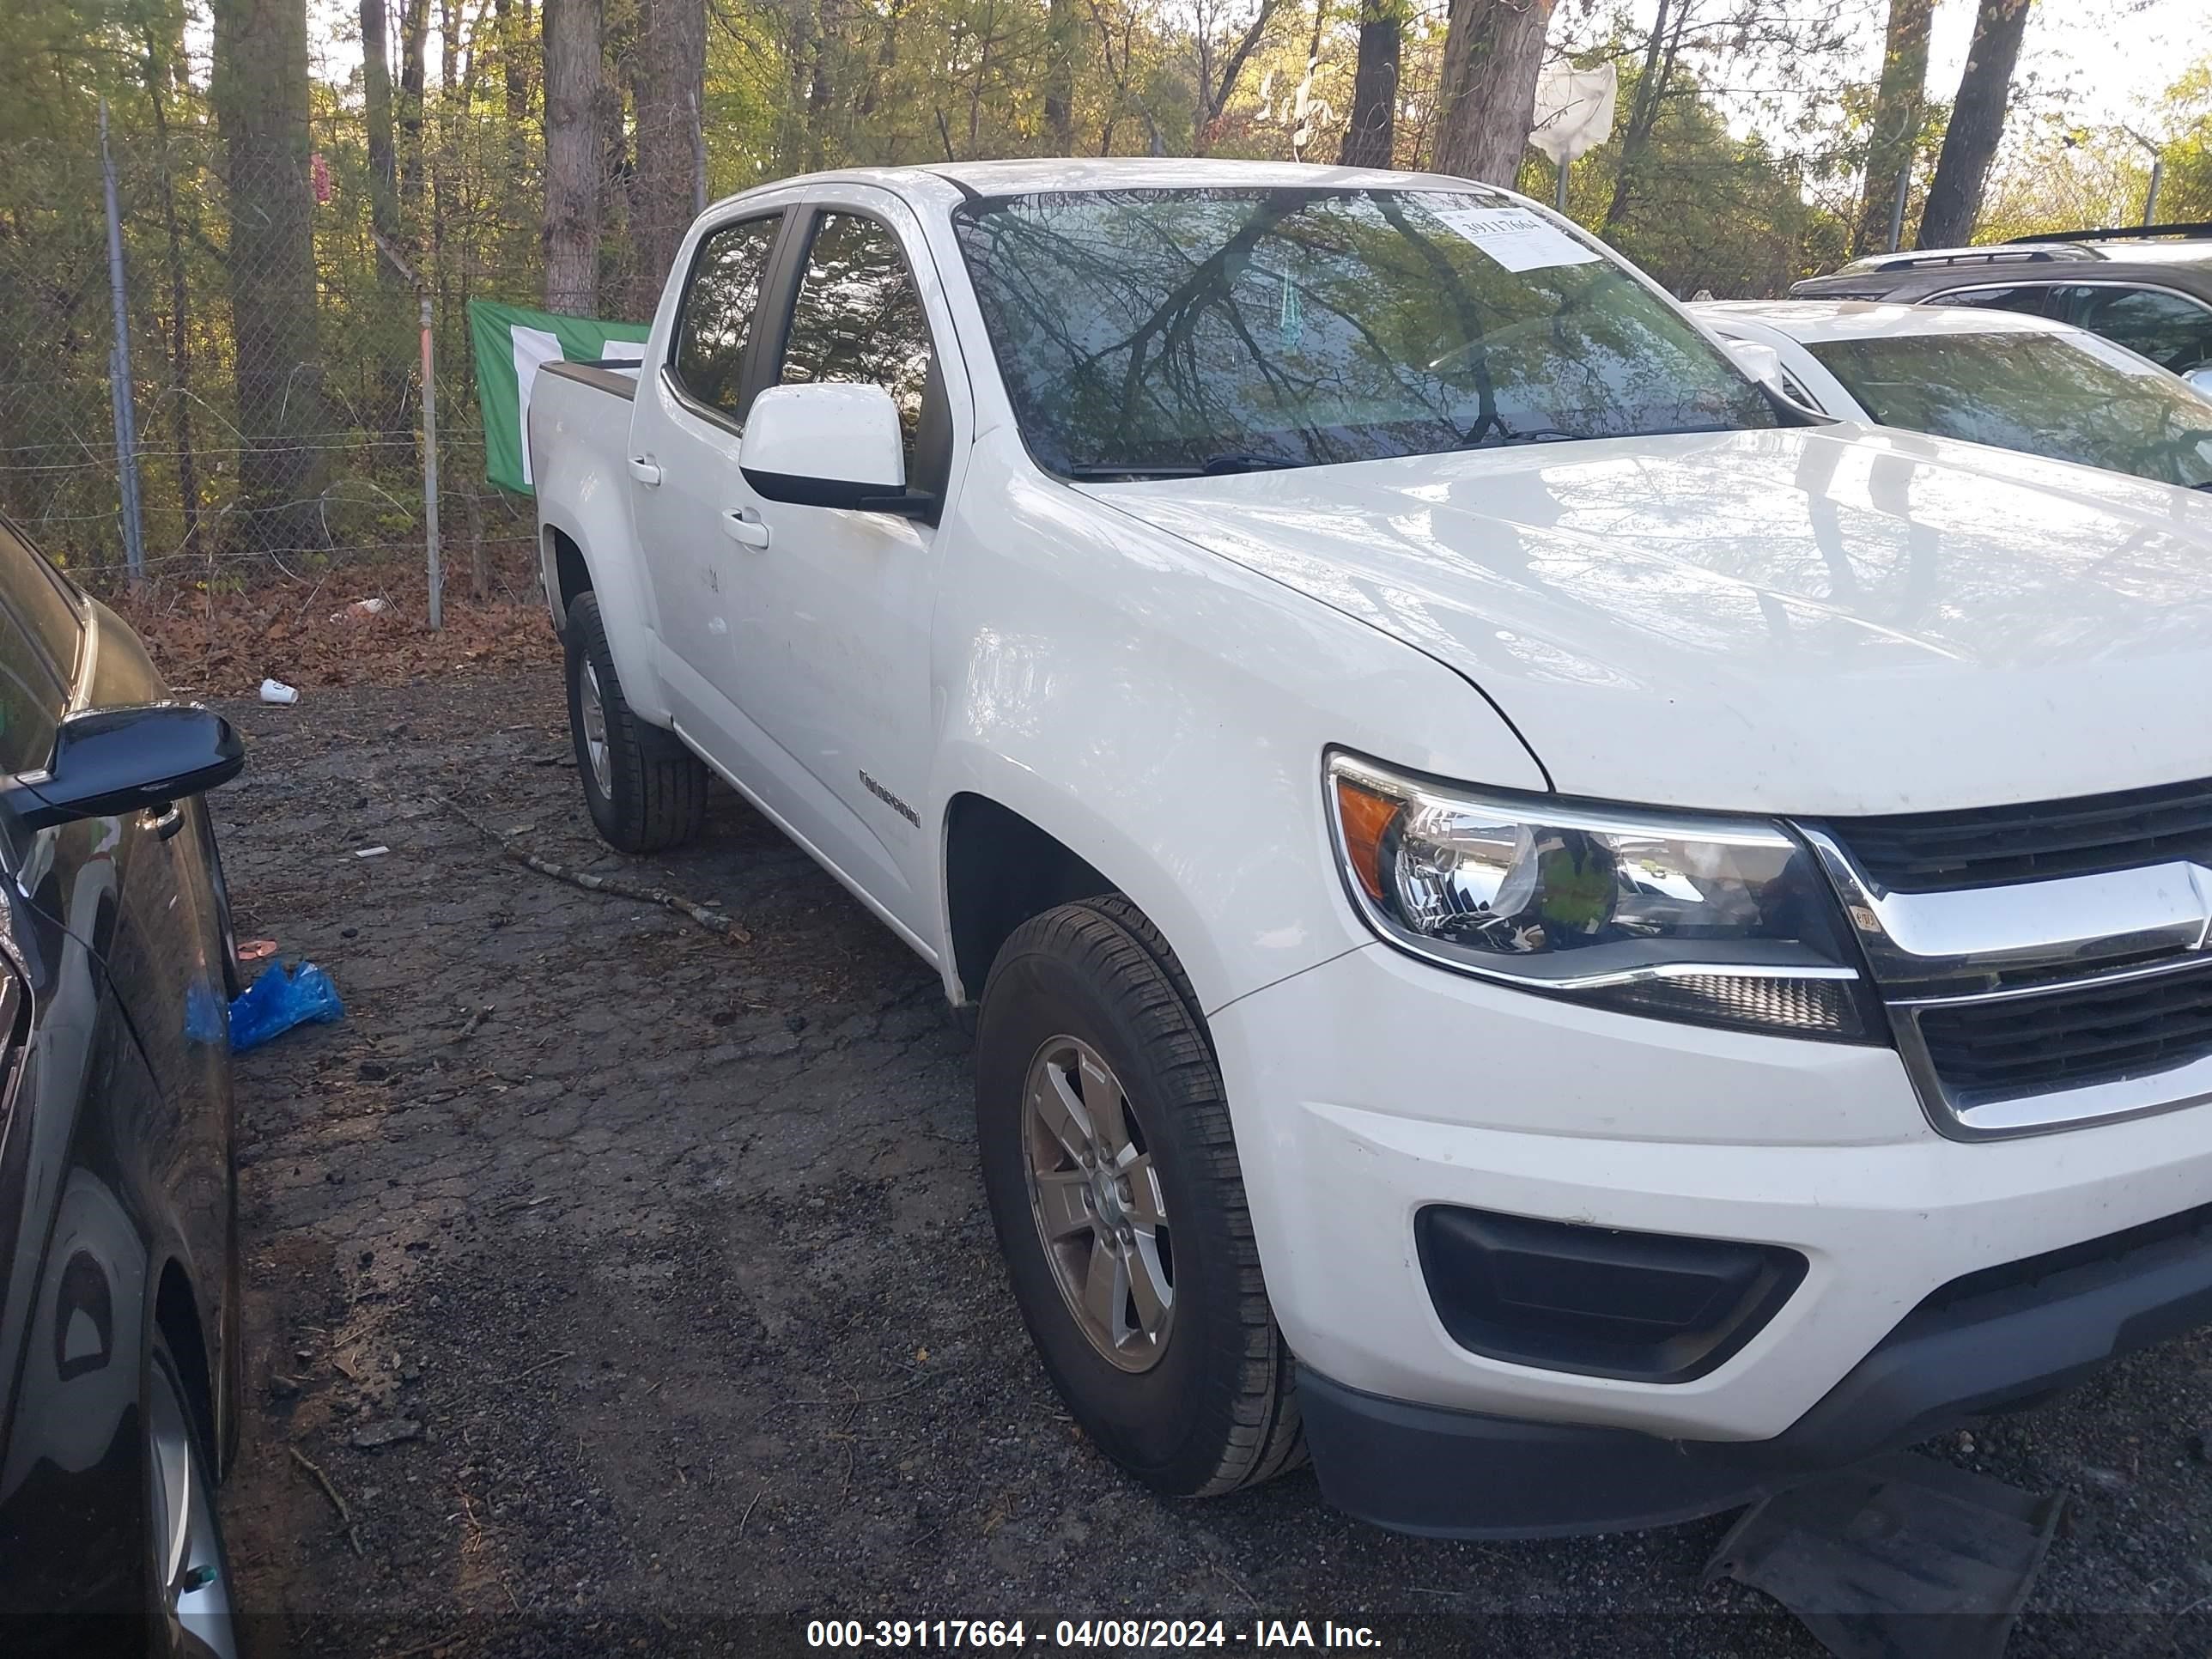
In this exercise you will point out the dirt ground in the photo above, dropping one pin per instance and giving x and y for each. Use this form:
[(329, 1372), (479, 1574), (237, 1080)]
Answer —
[(659, 1265)]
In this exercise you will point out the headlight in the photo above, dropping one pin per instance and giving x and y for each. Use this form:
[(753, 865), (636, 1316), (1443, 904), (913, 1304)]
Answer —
[(1721, 921)]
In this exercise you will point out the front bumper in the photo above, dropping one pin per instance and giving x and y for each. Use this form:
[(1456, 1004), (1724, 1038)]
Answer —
[(1372, 1087), (1994, 1341)]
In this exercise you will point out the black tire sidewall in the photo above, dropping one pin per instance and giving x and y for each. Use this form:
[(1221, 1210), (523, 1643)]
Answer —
[(586, 641), (1168, 1426)]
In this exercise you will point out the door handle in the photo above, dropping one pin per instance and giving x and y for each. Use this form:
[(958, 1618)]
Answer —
[(166, 822), (747, 532), (645, 469)]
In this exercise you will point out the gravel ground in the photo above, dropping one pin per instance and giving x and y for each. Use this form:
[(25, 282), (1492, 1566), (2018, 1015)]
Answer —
[(659, 1266)]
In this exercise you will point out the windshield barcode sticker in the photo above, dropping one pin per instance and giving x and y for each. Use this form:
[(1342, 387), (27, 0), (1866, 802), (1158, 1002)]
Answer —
[(1515, 238)]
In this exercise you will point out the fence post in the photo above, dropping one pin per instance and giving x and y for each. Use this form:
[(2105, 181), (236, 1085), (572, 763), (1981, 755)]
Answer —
[(430, 469), (435, 558), (119, 374)]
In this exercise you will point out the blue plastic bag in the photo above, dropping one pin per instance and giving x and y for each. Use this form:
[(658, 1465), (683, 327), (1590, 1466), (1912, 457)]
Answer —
[(278, 1001)]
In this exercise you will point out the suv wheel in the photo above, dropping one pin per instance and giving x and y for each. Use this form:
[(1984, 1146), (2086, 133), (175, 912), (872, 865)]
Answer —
[(1114, 1185), (644, 789), (188, 1574)]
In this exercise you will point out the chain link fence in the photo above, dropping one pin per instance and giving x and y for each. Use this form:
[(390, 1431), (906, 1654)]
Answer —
[(273, 378), (274, 348)]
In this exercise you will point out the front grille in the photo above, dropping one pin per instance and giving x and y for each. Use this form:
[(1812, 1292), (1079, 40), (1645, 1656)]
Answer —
[(2082, 1034), (1992, 845)]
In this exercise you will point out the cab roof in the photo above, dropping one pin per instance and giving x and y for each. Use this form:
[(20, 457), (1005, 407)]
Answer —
[(1026, 177)]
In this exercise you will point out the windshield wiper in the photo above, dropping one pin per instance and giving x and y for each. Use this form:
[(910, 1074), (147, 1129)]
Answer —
[(1235, 460), (1534, 434), (1110, 472)]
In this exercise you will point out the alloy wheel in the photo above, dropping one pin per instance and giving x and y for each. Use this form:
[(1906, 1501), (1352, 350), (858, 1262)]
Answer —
[(1095, 1195), (594, 709), (188, 1561)]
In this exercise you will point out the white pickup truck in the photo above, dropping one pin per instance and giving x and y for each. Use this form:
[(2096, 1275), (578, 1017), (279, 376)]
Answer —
[(1567, 936)]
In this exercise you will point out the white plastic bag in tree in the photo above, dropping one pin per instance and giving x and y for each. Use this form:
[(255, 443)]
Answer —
[(1574, 110)]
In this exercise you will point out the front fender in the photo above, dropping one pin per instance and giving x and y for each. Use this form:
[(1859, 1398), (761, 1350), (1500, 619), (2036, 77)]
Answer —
[(1163, 713)]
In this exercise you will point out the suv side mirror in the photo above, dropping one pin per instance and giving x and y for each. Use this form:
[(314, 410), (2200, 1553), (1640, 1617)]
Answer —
[(1755, 358), (108, 762), (830, 445), (2200, 379)]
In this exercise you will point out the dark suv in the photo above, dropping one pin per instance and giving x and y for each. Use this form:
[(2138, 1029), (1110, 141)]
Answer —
[(120, 1341), (2147, 287)]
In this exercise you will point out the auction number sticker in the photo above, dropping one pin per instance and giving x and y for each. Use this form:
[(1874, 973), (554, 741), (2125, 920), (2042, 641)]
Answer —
[(1517, 238)]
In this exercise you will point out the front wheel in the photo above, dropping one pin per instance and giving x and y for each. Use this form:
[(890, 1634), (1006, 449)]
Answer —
[(1114, 1185), (644, 789)]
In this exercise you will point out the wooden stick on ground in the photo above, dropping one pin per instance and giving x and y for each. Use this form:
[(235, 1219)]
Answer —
[(711, 921), (345, 1515)]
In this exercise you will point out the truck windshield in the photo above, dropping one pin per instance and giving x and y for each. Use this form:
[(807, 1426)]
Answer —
[(2074, 397), (1169, 332)]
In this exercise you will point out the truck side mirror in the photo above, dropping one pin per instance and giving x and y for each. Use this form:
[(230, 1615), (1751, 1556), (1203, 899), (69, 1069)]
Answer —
[(830, 445), (1759, 361)]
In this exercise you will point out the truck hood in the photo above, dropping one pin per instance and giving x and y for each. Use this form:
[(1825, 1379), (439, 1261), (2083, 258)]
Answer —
[(1810, 621)]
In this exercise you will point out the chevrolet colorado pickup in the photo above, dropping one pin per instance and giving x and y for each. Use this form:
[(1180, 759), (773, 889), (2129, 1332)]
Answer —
[(1544, 928)]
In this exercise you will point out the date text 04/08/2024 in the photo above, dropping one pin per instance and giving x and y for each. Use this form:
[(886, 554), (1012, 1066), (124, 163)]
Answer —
[(1081, 1633)]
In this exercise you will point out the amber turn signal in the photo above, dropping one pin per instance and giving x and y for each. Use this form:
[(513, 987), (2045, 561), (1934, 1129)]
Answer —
[(1364, 817)]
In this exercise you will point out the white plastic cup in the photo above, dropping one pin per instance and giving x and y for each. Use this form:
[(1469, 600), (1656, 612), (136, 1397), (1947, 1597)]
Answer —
[(277, 691)]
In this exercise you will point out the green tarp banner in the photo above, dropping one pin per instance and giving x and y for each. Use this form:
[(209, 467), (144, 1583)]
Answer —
[(511, 343)]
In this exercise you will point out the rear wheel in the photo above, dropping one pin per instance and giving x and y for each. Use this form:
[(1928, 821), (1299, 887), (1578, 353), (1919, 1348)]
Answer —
[(644, 789), (187, 1573), (1114, 1185)]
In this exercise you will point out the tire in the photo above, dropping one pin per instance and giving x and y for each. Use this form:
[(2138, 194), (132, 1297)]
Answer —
[(190, 1614), (644, 789), (1191, 1390)]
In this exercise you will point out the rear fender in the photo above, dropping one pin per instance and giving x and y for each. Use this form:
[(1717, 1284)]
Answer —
[(589, 503)]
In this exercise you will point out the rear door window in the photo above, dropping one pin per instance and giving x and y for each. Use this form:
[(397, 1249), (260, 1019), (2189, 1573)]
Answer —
[(716, 323), (2171, 330)]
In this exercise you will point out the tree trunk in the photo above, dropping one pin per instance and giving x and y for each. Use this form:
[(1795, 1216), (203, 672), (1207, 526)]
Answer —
[(821, 91), (511, 29), (259, 90), (1486, 88), (449, 44), (886, 59), (1215, 92), (1900, 105), (1978, 118), (158, 58), (376, 100), (415, 36), (1370, 135), (575, 89), (665, 186), (1061, 32), (1660, 53)]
